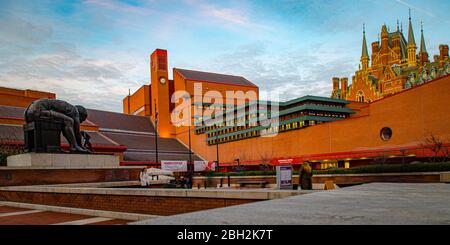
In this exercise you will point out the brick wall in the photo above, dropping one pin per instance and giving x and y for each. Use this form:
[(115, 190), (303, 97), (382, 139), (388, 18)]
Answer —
[(15, 177), (155, 205)]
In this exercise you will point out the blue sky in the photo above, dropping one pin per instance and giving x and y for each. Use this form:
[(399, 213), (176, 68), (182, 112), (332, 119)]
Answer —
[(92, 51)]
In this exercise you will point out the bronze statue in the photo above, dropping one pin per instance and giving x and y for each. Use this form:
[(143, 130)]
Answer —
[(61, 111)]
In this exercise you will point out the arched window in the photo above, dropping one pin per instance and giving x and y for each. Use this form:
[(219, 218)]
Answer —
[(360, 96)]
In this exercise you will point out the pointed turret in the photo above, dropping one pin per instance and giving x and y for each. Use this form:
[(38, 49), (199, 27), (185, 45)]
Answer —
[(423, 54), (364, 53), (411, 47), (423, 48), (364, 45), (411, 40)]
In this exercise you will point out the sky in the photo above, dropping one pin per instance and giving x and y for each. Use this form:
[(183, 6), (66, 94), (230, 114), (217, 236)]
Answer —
[(91, 52)]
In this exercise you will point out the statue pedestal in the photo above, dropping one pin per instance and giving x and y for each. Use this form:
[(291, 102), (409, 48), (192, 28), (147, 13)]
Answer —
[(56, 160)]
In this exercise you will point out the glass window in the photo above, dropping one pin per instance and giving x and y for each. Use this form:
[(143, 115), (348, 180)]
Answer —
[(386, 133)]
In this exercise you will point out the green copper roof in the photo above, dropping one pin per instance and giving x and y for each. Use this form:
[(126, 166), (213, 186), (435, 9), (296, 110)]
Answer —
[(316, 108), (423, 48), (364, 45), (411, 40), (317, 98)]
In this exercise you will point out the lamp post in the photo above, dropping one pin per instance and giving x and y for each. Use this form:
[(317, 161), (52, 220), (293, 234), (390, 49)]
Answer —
[(190, 166), (403, 158), (129, 106), (156, 131), (217, 151)]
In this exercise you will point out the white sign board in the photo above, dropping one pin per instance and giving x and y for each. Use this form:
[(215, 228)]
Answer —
[(174, 166), (284, 177), (200, 166)]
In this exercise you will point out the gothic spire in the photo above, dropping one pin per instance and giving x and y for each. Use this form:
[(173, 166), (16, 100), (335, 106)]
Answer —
[(364, 45), (423, 48), (411, 40)]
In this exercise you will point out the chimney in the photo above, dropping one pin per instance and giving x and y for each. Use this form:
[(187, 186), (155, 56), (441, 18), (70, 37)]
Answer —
[(335, 83), (443, 52), (344, 83), (375, 49)]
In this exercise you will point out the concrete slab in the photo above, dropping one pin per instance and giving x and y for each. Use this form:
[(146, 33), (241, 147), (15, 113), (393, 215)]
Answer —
[(20, 213), (84, 221), (254, 194), (376, 203)]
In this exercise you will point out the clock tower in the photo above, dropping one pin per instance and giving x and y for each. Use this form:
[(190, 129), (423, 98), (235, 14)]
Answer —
[(160, 94)]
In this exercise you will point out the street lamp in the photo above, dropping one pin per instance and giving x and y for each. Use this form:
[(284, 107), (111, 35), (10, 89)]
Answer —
[(190, 165), (403, 158), (217, 151)]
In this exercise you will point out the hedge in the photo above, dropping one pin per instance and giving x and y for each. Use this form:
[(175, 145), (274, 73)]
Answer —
[(385, 168)]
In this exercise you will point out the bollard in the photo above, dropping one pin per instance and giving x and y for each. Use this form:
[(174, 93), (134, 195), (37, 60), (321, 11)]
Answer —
[(198, 186), (221, 182), (228, 177), (204, 183)]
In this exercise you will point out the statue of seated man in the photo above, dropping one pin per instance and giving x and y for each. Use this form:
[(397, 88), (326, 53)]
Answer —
[(58, 110)]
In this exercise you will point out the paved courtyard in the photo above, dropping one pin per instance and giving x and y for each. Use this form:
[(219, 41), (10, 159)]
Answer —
[(375, 203), (15, 213), (24, 216)]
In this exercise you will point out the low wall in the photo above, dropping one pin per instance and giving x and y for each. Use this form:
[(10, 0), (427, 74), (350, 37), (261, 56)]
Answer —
[(43, 176), (143, 201), (32, 159), (339, 179)]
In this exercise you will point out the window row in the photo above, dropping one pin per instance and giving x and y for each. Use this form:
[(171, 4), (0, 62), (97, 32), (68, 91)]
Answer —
[(270, 130), (234, 137)]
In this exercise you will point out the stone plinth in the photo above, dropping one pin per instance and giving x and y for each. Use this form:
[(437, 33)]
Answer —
[(56, 160)]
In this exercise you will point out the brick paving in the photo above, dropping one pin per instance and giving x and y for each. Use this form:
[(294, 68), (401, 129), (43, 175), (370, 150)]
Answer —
[(112, 222), (14, 217), (6, 209)]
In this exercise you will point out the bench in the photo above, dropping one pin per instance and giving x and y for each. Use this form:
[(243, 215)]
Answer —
[(261, 184)]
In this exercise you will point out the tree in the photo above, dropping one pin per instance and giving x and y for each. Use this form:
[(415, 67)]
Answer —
[(380, 158), (266, 159), (434, 143)]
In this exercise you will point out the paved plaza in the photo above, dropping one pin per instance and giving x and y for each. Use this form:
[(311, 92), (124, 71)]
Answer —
[(375, 203), (25, 216)]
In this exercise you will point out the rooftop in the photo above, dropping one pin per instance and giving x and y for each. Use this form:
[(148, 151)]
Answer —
[(214, 77)]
